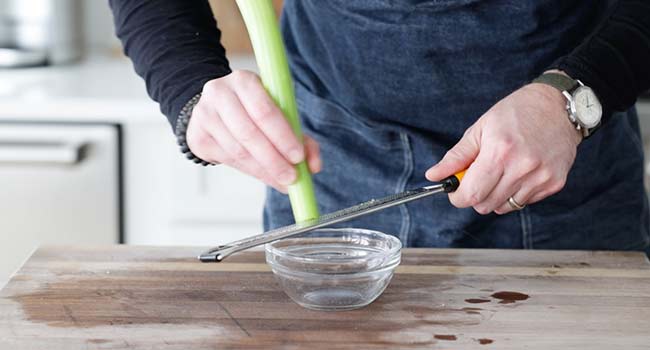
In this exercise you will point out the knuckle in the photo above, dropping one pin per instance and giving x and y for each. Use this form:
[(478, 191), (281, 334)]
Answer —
[(237, 74), (211, 88), (545, 175), (482, 209), (247, 134), (240, 153), (474, 199), (506, 144), (244, 77), (557, 186), (528, 162), (264, 112)]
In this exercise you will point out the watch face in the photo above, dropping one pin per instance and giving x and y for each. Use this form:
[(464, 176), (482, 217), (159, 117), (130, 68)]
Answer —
[(587, 107)]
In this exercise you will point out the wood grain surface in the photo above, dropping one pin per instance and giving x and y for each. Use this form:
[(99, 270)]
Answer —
[(125, 297)]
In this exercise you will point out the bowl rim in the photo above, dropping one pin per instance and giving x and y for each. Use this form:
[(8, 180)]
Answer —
[(395, 249)]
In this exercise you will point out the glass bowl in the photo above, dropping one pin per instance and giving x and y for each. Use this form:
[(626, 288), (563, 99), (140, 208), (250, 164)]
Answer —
[(334, 269)]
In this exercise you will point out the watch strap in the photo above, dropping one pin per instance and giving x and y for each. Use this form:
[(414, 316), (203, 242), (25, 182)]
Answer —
[(558, 81)]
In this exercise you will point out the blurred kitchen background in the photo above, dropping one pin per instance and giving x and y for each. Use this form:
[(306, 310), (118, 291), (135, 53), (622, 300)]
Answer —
[(85, 155)]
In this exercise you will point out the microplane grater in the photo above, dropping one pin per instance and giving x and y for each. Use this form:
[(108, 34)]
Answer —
[(219, 253)]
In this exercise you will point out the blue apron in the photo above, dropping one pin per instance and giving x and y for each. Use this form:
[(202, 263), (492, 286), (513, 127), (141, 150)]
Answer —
[(388, 86)]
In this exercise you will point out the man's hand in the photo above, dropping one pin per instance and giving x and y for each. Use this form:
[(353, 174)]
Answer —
[(236, 123), (523, 147)]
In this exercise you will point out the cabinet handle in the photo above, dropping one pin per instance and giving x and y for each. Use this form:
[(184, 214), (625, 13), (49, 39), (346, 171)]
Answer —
[(39, 152)]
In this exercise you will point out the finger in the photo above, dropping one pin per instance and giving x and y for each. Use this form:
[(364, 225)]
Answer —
[(521, 197), (269, 118), (458, 157), (243, 129), (313, 155), (479, 181), (529, 187), (233, 154), (536, 187), (547, 189), (514, 175), (255, 170), (214, 126), (498, 199)]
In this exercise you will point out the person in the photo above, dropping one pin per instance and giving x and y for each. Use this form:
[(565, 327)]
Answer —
[(396, 94)]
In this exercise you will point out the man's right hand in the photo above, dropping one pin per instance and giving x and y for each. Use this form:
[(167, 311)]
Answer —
[(237, 123)]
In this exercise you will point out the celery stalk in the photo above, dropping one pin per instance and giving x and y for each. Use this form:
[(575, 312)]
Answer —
[(264, 31)]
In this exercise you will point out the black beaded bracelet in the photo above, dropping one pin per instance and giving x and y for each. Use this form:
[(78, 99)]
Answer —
[(181, 130)]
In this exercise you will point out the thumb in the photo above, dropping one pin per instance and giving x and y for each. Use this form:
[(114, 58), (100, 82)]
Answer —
[(458, 157)]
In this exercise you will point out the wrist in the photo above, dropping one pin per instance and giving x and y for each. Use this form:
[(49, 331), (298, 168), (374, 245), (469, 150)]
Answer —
[(181, 127), (558, 112), (560, 82)]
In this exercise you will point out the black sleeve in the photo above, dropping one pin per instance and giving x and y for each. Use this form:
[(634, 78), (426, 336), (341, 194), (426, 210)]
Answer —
[(174, 45), (615, 59)]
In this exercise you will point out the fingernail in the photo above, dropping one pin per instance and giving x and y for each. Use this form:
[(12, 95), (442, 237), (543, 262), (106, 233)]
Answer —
[(287, 177), (314, 164), (295, 156)]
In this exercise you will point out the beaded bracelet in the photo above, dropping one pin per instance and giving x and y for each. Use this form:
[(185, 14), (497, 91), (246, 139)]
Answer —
[(181, 130)]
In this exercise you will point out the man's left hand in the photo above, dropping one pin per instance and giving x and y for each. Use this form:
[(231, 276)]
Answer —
[(523, 147)]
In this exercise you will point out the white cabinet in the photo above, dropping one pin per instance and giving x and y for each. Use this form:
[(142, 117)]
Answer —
[(170, 200), (59, 185)]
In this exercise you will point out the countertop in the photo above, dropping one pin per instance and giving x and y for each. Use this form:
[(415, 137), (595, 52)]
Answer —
[(129, 297), (100, 88)]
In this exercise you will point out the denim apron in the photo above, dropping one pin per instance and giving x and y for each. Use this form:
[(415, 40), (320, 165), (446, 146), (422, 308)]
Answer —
[(388, 86)]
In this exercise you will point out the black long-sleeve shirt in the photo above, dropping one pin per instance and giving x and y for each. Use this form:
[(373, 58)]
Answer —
[(175, 46)]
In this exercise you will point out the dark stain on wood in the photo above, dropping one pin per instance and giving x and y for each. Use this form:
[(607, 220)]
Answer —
[(82, 303), (477, 300), (508, 297), (449, 337), (472, 309), (166, 297), (485, 341)]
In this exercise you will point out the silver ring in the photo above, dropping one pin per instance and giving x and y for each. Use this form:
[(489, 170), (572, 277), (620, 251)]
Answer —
[(514, 205)]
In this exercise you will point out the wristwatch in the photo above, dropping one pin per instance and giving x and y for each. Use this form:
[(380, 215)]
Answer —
[(583, 106)]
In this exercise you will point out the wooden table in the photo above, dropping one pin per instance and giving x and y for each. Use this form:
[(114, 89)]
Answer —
[(123, 297)]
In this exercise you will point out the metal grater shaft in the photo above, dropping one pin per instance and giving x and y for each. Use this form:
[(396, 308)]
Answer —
[(217, 254)]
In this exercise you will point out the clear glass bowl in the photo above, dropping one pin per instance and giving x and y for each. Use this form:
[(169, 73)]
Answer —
[(334, 269)]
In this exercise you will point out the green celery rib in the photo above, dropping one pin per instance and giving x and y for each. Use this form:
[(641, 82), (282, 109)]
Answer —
[(264, 31)]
